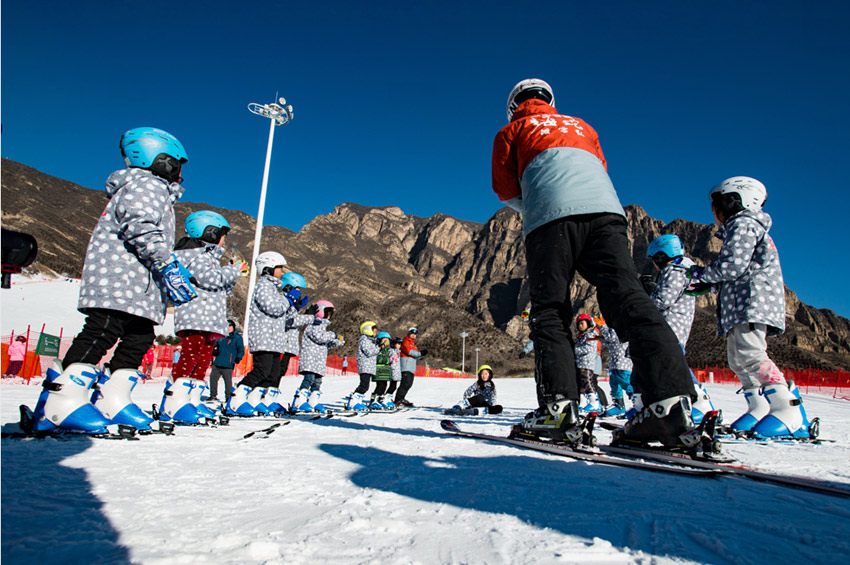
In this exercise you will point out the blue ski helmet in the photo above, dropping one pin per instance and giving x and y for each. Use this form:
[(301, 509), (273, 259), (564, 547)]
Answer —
[(206, 225), (670, 245), (153, 149), (383, 335), (294, 280)]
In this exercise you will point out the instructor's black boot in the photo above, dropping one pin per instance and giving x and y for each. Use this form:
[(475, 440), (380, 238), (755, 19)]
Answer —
[(664, 421), (557, 420)]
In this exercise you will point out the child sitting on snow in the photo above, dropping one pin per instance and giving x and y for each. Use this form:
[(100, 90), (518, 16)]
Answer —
[(481, 394)]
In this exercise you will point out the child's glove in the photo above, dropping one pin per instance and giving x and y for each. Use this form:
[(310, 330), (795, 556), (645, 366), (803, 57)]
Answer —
[(599, 320), (175, 278), (698, 289), (695, 273), (340, 338), (243, 268), (295, 298)]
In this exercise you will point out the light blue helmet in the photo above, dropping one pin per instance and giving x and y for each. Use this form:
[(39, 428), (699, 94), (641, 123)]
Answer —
[(206, 225), (294, 280), (668, 244), (383, 335), (155, 150)]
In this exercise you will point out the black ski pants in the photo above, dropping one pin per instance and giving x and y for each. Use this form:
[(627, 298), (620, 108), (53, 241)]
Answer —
[(363, 387), (404, 386), (266, 364), (597, 247), (102, 329)]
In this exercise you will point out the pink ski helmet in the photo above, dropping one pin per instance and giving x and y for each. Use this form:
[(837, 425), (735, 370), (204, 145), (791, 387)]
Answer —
[(324, 309)]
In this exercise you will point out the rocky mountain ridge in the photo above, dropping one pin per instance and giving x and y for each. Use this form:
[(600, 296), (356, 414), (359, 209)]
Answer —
[(440, 273)]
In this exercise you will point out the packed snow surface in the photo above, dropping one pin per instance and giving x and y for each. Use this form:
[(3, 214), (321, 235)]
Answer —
[(394, 488)]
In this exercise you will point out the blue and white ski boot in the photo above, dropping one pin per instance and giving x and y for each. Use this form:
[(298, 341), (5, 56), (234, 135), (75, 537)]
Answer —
[(315, 400), (237, 402), (702, 405), (301, 401), (272, 400), (591, 403), (111, 395), (618, 408), (356, 402), (376, 404), (388, 403), (195, 396), (637, 406), (255, 399), (787, 417), (757, 408), (64, 402), (176, 405)]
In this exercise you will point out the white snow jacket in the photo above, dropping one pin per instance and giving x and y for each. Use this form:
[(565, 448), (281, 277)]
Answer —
[(135, 231), (618, 360), (395, 363), (488, 392), (294, 323), (313, 357), (670, 298), (367, 355), (748, 274), (586, 350), (267, 324), (213, 283)]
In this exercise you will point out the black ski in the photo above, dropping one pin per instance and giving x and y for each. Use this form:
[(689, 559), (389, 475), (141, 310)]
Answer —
[(574, 452), (265, 432)]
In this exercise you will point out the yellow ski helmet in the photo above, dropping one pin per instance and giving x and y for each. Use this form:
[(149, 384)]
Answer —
[(368, 328), (488, 367)]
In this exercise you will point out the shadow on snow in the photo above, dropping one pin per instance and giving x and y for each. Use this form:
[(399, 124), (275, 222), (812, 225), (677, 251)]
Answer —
[(709, 520), (49, 512)]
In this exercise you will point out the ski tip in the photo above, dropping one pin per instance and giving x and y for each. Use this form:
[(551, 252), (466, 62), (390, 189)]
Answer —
[(449, 426)]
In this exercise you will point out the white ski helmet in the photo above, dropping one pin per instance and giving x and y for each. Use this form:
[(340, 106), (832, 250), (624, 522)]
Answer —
[(752, 193), (529, 88), (269, 259)]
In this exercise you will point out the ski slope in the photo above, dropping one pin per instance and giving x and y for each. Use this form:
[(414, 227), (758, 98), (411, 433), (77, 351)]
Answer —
[(393, 488)]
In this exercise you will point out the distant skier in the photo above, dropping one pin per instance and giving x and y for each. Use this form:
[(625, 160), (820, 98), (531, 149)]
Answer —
[(677, 307), (200, 323), (228, 353), (551, 169), (395, 364), (17, 353), (481, 394), (751, 307), (367, 354), (129, 275), (587, 356), (619, 368), (409, 354), (313, 357), (383, 374)]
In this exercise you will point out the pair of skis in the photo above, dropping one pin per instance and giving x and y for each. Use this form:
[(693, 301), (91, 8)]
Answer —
[(652, 459)]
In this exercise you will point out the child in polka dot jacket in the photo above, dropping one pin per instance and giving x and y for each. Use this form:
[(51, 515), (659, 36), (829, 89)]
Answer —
[(266, 330), (751, 307), (128, 277), (202, 322), (313, 357), (586, 354)]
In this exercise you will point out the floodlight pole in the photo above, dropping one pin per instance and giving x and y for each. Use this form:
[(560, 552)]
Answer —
[(477, 349), (279, 113), (463, 336)]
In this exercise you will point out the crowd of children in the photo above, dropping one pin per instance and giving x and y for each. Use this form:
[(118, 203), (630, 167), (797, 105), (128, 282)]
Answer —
[(133, 268)]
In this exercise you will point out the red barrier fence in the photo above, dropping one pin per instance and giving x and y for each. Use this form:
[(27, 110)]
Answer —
[(833, 383)]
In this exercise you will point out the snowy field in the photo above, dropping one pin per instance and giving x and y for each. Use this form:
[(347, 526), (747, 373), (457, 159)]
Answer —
[(392, 488)]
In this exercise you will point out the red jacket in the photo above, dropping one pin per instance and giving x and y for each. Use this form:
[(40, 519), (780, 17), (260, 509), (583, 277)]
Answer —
[(408, 344), (535, 127)]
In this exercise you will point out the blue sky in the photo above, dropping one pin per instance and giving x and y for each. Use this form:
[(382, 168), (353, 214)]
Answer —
[(398, 105)]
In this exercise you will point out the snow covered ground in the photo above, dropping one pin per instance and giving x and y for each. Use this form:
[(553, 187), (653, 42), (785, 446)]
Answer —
[(392, 488)]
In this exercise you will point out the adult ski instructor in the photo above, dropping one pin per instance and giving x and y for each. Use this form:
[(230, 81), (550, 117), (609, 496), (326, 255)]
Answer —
[(551, 169), (409, 354)]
